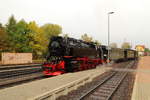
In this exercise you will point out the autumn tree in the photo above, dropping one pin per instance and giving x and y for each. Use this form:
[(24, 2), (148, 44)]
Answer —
[(97, 42), (126, 45), (86, 38), (51, 30), (37, 39), (27, 37), (113, 45), (3, 39)]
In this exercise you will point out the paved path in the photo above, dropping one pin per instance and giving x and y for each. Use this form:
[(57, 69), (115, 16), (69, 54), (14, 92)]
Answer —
[(35, 88), (141, 89)]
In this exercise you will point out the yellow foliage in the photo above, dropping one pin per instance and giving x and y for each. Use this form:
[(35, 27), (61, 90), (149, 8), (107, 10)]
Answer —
[(86, 38)]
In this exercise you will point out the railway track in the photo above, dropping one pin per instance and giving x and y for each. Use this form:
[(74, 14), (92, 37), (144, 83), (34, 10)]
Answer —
[(106, 87), (7, 67), (16, 72), (11, 75), (101, 88)]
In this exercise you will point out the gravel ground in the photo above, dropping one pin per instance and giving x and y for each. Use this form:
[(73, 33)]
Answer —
[(124, 92)]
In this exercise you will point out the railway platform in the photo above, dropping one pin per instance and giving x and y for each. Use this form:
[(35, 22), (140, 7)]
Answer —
[(141, 90), (43, 88)]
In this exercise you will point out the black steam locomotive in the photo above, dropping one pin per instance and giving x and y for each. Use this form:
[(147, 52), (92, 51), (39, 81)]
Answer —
[(69, 55)]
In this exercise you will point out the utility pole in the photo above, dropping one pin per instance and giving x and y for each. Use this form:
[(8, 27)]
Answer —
[(108, 58)]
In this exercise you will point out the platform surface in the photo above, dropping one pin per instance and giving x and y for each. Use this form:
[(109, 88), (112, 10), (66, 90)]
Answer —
[(35, 88), (141, 90)]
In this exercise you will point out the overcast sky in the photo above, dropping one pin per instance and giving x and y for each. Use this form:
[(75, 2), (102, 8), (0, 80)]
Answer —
[(130, 22)]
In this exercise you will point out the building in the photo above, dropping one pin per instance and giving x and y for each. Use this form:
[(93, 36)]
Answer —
[(140, 49)]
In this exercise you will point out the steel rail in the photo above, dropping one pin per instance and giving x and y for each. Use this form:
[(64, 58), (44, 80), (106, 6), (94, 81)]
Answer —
[(12, 75), (18, 66), (107, 87), (19, 79), (7, 71), (95, 87)]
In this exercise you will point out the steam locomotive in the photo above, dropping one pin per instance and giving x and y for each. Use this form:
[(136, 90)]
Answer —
[(70, 55)]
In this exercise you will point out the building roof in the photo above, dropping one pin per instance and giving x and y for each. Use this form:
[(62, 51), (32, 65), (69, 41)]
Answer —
[(140, 46)]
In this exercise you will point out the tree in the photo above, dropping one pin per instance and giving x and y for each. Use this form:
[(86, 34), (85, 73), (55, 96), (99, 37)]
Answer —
[(113, 45), (97, 42), (21, 39), (17, 33), (10, 29), (1, 25), (27, 37), (86, 38), (147, 50), (11, 23), (3, 39), (51, 30), (37, 39), (126, 45)]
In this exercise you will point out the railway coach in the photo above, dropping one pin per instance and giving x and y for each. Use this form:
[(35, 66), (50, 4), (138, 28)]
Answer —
[(130, 54), (117, 54)]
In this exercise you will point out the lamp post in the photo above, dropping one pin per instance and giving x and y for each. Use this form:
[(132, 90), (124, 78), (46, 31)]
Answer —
[(108, 58)]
